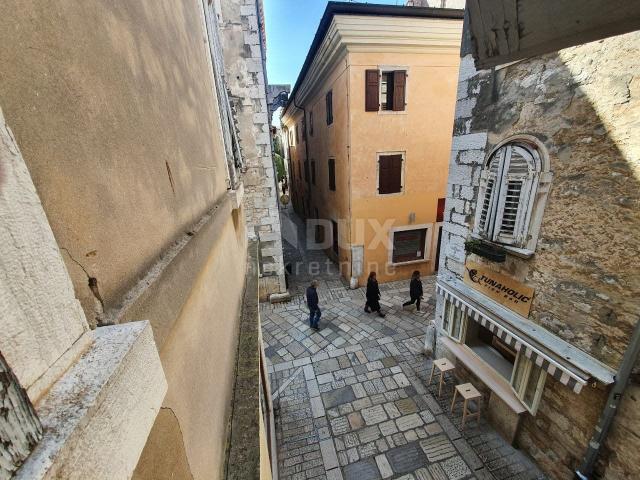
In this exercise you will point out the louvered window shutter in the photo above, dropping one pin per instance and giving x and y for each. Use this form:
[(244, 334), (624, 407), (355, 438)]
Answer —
[(399, 87), (372, 86), (489, 196), (516, 184)]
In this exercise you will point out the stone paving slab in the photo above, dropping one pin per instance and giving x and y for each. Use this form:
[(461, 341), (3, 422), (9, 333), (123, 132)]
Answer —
[(352, 400)]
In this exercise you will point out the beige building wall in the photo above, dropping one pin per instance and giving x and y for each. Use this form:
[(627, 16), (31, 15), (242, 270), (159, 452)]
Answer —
[(114, 108)]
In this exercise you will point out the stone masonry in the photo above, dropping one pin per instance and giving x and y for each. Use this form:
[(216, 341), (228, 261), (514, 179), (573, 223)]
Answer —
[(243, 40), (583, 104)]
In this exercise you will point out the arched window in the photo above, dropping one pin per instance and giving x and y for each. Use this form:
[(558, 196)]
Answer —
[(508, 190)]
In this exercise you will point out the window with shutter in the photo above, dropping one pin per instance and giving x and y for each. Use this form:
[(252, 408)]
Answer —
[(506, 191), (399, 84), (329, 107), (390, 174), (313, 173), (306, 171), (311, 123), (371, 91), (332, 174)]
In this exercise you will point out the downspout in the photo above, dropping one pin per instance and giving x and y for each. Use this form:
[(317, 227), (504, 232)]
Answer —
[(306, 148), (608, 413), (353, 282)]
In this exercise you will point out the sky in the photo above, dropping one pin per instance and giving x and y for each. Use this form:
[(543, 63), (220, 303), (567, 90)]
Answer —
[(291, 25)]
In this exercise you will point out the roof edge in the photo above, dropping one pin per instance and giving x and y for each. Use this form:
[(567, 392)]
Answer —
[(348, 8)]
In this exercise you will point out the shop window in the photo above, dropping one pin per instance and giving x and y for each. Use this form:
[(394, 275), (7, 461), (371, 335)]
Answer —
[(525, 377), (390, 173), (528, 382), (409, 245), (508, 186), (454, 321)]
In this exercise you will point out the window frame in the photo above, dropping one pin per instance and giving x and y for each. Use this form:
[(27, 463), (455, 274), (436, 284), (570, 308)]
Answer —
[(426, 247), (521, 391), (393, 68), (536, 187), (446, 326), (402, 175)]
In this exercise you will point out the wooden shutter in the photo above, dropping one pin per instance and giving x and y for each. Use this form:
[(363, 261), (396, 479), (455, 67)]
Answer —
[(514, 196), (489, 195), (440, 210), (332, 174), (372, 88), (329, 107), (399, 87), (390, 174)]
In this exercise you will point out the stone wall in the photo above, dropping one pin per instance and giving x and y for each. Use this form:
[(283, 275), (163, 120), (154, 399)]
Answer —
[(242, 31), (583, 105)]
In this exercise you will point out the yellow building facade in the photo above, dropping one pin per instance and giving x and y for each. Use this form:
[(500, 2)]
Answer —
[(368, 136)]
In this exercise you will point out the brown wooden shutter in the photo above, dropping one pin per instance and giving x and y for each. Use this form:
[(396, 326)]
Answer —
[(372, 88), (399, 87), (390, 175)]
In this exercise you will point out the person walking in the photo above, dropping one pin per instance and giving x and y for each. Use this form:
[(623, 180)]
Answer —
[(312, 303), (373, 295), (415, 291)]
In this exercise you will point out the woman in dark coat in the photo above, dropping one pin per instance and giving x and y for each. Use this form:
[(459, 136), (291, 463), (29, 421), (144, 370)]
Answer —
[(415, 291), (373, 295)]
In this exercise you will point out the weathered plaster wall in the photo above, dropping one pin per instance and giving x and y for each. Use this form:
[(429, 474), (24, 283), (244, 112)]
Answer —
[(115, 109), (583, 104), (242, 32)]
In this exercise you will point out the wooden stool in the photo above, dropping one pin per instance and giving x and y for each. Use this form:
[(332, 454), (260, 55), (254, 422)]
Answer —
[(443, 365), (468, 392)]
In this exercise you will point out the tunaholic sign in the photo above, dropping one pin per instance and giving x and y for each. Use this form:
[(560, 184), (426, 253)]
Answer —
[(504, 290)]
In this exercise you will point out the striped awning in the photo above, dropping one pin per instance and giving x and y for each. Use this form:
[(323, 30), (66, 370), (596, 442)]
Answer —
[(546, 362)]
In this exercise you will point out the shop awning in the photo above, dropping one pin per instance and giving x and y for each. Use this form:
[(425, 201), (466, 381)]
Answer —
[(566, 363)]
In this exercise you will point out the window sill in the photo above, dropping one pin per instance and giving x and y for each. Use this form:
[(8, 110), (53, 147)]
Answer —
[(410, 262), (395, 194), (518, 252), (487, 375), (393, 112)]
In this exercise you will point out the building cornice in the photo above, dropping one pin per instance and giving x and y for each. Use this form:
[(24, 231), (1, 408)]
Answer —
[(373, 34)]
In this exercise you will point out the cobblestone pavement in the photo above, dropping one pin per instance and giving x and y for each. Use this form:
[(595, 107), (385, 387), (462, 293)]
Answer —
[(352, 401)]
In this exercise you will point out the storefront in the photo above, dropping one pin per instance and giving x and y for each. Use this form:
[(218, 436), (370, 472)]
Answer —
[(509, 354)]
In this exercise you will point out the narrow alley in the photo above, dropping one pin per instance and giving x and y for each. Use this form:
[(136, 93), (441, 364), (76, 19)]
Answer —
[(352, 401)]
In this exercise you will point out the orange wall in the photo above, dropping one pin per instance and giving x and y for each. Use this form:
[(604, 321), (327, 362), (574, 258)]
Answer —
[(423, 132)]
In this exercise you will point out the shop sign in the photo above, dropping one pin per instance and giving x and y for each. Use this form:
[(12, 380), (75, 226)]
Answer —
[(505, 290)]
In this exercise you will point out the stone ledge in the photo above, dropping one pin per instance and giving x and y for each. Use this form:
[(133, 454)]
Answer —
[(97, 416)]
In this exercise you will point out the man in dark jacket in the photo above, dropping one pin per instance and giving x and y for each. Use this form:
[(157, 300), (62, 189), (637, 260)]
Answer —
[(415, 290), (312, 303)]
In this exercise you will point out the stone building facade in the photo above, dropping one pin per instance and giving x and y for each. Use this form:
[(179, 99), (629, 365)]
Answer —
[(127, 285), (557, 133), (244, 45)]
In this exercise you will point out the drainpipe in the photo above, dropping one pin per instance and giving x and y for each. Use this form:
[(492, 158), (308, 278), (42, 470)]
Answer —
[(306, 150), (609, 412)]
